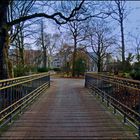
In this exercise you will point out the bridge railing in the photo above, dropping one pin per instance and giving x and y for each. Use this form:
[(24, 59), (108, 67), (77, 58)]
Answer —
[(18, 93), (120, 93)]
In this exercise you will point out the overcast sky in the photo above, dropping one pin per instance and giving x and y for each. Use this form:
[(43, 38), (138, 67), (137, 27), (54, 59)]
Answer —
[(131, 24), (133, 20)]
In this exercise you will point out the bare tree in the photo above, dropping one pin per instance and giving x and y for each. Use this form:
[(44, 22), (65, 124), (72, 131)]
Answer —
[(53, 47), (118, 9), (100, 40), (16, 10), (79, 27), (136, 45), (78, 32), (19, 45), (66, 52), (43, 42), (18, 33), (6, 25)]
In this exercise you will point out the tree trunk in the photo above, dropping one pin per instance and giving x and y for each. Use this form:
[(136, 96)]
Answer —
[(43, 45), (44, 58), (21, 53), (122, 42), (99, 65), (4, 40), (74, 57), (21, 48), (99, 54)]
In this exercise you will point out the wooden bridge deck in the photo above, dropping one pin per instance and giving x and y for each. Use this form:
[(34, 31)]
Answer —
[(67, 111)]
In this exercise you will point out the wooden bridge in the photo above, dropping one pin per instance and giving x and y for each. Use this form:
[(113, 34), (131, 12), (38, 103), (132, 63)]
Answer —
[(66, 110)]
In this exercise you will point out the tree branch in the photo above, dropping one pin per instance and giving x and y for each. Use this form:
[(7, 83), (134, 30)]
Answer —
[(53, 16)]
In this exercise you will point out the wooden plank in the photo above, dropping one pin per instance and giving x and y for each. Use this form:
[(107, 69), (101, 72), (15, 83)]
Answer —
[(67, 111)]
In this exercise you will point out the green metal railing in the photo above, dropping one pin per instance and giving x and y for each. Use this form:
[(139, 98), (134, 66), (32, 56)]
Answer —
[(18, 93), (120, 93)]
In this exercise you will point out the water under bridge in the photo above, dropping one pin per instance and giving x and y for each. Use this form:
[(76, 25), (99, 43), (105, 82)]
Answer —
[(40, 107)]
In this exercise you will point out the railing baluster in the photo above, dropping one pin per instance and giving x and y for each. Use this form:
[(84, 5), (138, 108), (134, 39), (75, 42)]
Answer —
[(102, 97), (114, 110), (17, 93), (108, 103), (139, 129), (124, 118), (122, 94)]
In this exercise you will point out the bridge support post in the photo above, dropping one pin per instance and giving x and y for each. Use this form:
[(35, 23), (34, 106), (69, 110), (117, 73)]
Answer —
[(108, 104), (10, 102), (49, 79), (139, 130), (85, 81), (114, 110), (102, 97), (124, 118)]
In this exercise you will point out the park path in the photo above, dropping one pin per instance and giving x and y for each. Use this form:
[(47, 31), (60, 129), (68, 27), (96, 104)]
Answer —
[(67, 111)]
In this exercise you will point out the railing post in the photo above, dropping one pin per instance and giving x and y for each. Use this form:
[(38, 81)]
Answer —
[(10, 102), (107, 103), (49, 79), (139, 130), (95, 93), (20, 110), (98, 94), (124, 118), (103, 97), (85, 80), (114, 110)]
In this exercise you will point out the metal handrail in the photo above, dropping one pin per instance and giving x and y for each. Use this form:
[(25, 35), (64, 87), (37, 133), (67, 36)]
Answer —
[(114, 78), (1, 119), (21, 80), (117, 85), (22, 77), (103, 94), (18, 92)]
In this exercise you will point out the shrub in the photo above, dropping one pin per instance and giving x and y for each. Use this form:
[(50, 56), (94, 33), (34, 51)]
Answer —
[(135, 75), (57, 69), (21, 70), (43, 69), (80, 67)]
